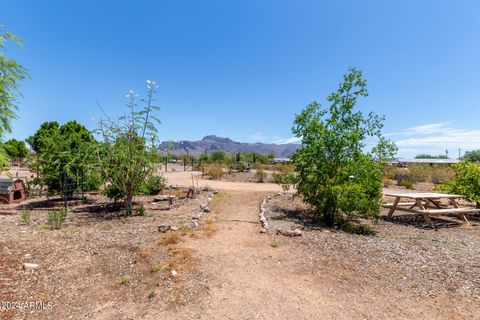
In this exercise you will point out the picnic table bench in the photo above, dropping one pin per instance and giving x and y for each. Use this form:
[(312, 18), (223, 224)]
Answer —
[(424, 200)]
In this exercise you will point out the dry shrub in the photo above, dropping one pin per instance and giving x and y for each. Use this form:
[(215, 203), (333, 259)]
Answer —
[(387, 182), (419, 172), (260, 175), (180, 259), (214, 171), (209, 228), (441, 174), (407, 184), (390, 172), (145, 253), (171, 237)]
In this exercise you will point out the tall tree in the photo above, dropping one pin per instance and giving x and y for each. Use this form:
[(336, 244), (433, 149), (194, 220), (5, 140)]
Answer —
[(335, 176)]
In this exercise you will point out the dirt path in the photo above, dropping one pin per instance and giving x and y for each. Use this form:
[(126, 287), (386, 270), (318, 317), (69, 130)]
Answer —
[(250, 278)]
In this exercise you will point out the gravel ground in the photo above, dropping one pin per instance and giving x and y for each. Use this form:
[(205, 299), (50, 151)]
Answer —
[(83, 264), (404, 260)]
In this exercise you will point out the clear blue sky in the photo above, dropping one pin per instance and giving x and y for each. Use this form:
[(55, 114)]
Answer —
[(242, 69)]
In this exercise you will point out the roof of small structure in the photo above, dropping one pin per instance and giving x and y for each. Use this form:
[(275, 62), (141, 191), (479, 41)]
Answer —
[(5, 185)]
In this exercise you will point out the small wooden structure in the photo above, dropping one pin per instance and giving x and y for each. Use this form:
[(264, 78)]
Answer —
[(423, 200), (12, 190)]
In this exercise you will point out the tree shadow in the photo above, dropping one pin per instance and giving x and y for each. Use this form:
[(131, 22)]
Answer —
[(417, 221)]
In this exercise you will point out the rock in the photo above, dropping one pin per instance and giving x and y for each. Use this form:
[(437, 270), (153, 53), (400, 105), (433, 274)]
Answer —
[(263, 230), (214, 191), (290, 233), (263, 219), (164, 228), (206, 209), (195, 218), (173, 228), (209, 199), (195, 224), (163, 197), (27, 256), (174, 273), (30, 266), (279, 194)]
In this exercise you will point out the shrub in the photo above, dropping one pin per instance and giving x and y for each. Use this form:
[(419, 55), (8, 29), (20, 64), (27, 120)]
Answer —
[(237, 166), (155, 267), (152, 185), (93, 182), (418, 172), (151, 294), (387, 182), (360, 229), (113, 193), (214, 171), (407, 184), (56, 218), (26, 216), (141, 211), (170, 237), (260, 175), (466, 181), (125, 279), (441, 174)]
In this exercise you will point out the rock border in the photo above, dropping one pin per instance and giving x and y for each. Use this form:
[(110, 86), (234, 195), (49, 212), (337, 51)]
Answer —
[(263, 211)]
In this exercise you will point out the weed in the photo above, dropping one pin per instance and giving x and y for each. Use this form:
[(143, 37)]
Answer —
[(208, 228), (170, 237), (145, 253), (274, 244), (141, 211), (155, 267), (407, 184), (56, 218), (125, 279), (26, 216), (151, 294), (360, 229), (260, 175)]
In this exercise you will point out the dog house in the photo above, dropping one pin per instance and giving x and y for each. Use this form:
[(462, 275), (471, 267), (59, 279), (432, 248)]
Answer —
[(11, 190)]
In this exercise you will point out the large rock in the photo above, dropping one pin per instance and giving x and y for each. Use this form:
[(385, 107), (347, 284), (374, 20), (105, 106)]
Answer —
[(30, 266), (290, 233)]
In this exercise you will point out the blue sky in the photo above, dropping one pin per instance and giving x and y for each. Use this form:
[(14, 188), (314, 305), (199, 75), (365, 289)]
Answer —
[(243, 69)]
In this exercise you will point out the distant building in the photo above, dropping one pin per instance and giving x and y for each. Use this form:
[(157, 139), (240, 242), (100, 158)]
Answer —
[(404, 162), (280, 160)]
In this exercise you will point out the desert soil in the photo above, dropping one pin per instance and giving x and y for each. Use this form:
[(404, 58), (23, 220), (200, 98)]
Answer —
[(229, 270)]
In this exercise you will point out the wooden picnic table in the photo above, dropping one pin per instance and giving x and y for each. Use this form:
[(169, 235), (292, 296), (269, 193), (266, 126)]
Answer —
[(422, 201)]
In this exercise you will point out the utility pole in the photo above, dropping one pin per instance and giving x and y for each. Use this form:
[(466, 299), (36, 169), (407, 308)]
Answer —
[(459, 153), (446, 153)]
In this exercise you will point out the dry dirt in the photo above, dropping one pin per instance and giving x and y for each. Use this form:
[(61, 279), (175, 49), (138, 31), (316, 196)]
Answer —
[(226, 269)]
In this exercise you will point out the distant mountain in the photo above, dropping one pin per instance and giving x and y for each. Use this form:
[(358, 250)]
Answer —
[(213, 143)]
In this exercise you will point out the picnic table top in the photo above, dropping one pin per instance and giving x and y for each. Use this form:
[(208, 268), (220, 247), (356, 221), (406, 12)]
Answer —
[(423, 195)]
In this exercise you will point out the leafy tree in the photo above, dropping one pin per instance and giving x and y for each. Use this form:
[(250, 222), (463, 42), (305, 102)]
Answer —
[(466, 181), (15, 149), (129, 153), (472, 156), (333, 173), (11, 74), (429, 156), (64, 155), (217, 156)]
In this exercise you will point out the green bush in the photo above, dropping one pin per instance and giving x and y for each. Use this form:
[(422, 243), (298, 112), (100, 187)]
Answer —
[(56, 218), (153, 185), (407, 184), (466, 182), (141, 211), (214, 171), (93, 182), (113, 193)]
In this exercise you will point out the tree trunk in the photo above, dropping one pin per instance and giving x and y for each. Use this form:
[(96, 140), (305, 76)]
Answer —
[(128, 201)]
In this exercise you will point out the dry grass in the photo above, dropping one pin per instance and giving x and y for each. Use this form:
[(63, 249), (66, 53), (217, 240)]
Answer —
[(209, 228), (171, 237), (145, 253), (180, 259), (125, 279)]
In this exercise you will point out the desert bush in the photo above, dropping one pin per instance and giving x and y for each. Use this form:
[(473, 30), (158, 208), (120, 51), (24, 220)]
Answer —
[(419, 172), (151, 294), (152, 185), (360, 229), (125, 279), (237, 166), (170, 237), (441, 174), (260, 175), (387, 182), (26, 216), (407, 184), (56, 218), (466, 181), (155, 267), (214, 171)]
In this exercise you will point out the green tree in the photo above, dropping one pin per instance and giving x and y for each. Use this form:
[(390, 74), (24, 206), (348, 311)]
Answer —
[(217, 156), (64, 154), (11, 74), (333, 173), (129, 155), (472, 156), (15, 149), (466, 181)]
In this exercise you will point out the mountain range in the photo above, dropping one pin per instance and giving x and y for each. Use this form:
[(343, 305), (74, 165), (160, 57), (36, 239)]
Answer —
[(213, 143)]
